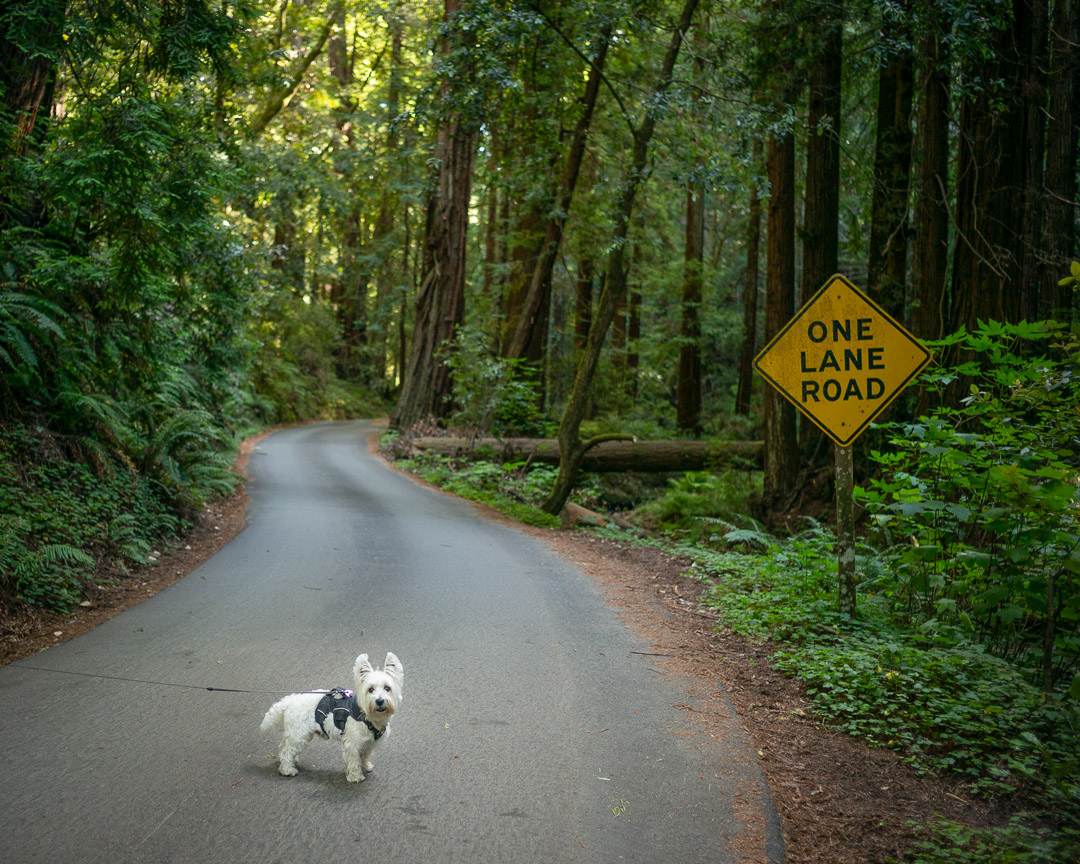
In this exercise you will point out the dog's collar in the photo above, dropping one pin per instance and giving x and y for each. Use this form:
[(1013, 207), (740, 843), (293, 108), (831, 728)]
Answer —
[(375, 730)]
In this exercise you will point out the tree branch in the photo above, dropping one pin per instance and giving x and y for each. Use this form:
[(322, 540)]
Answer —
[(280, 97)]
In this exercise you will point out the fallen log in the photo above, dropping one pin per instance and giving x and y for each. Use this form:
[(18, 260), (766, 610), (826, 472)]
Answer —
[(644, 456)]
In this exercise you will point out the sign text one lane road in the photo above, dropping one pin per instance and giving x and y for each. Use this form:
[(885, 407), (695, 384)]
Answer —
[(841, 360)]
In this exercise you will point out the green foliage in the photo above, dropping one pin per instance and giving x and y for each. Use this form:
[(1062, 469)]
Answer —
[(142, 327), (704, 506), (1024, 840), (63, 524), (979, 504), (493, 395), (24, 320), (513, 489)]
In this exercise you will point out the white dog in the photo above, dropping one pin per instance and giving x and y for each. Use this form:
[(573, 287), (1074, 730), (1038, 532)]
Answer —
[(357, 719)]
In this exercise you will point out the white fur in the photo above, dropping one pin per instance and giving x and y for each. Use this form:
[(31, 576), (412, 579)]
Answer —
[(379, 694)]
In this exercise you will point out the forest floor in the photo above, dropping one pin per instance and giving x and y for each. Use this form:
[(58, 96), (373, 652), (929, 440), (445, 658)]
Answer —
[(839, 801)]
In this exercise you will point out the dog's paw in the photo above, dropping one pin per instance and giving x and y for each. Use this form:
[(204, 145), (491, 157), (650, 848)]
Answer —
[(368, 766), (355, 778), (287, 771)]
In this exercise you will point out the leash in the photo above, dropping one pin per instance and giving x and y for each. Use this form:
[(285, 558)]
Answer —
[(157, 683)]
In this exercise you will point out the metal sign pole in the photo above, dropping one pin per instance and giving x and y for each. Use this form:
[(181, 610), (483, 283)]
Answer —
[(845, 527)]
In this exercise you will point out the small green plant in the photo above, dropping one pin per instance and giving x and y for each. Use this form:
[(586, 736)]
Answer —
[(705, 506), (492, 394), (510, 489), (979, 507)]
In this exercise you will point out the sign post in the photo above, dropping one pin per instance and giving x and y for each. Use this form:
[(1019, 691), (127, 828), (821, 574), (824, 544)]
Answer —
[(841, 361)]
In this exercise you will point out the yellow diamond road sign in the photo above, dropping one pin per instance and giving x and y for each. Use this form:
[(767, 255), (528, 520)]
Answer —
[(841, 360)]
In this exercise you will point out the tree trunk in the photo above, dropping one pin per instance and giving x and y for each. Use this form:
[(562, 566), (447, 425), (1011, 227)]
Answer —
[(26, 79), (644, 456), (986, 271), (633, 334), (1032, 33), (583, 304), (351, 297), (688, 401), (887, 265), (930, 260), (440, 305), (821, 218), (288, 255), (529, 334), (750, 296), (688, 387), (571, 447), (781, 440), (1059, 214), (385, 238), (821, 214)]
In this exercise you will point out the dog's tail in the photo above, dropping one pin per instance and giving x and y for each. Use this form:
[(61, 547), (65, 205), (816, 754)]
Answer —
[(273, 717)]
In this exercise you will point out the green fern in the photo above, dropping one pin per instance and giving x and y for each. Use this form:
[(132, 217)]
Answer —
[(24, 317), (747, 537), (49, 575)]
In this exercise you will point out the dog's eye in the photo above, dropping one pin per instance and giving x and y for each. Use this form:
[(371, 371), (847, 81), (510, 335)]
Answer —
[(386, 688), (371, 690)]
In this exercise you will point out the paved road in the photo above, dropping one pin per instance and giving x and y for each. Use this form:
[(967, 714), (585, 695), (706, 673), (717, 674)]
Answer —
[(513, 666)]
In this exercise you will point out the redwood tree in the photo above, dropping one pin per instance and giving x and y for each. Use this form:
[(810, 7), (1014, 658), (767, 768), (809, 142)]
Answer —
[(1059, 213), (748, 350), (887, 264), (781, 441), (440, 305), (931, 222)]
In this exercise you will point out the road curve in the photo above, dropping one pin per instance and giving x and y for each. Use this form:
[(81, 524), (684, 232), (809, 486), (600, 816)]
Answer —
[(530, 730)]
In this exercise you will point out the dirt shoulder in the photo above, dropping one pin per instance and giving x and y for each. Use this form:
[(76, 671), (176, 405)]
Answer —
[(839, 801)]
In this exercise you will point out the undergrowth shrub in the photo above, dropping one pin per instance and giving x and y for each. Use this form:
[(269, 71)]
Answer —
[(702, 505), (494, 395), (943, 704), (63, 523), (514, 488), (979, 507)]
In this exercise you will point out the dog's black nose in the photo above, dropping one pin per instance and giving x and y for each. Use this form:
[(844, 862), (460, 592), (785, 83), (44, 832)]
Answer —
[(379, 703)]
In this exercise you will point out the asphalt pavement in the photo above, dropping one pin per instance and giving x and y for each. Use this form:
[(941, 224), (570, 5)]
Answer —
[(530, 730)]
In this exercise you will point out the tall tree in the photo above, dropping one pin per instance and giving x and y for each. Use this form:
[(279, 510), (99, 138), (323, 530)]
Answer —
[(389, 198), (777, 52), (529, 333), (821, 219), (780, 436), (751, 277), (1032, 61), (571, 446), (688, 388), (931, 224), (821, 212), (440, 306), (349, 294), (986, 257), (29, 41), (887, 264), (1063, 127)]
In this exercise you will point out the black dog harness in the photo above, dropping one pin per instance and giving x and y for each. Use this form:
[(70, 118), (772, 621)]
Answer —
[(341, 704)]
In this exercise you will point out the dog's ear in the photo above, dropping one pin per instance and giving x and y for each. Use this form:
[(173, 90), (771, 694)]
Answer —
[(361, 667), (392, 667)]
